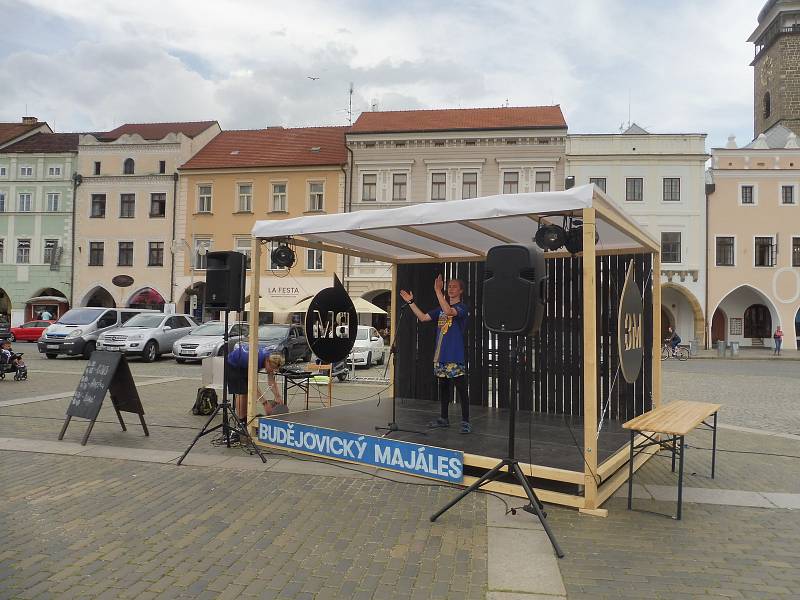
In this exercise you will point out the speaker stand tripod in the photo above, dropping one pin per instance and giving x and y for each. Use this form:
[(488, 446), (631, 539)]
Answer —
[(229, 415), (392, 425), (512, 465)]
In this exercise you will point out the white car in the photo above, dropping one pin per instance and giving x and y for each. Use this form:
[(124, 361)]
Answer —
[(147, 334), (369, 347), (207, 340)]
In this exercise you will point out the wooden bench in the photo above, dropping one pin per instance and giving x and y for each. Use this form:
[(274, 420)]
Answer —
[(674, 420)]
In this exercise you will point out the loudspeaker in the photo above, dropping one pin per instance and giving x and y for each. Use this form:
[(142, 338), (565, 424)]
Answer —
[(514, 291), (225, 273)]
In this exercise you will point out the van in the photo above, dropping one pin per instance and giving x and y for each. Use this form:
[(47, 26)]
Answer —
[(76, 332)]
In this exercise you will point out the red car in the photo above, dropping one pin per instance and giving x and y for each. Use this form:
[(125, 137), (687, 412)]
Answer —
[(30, 331)]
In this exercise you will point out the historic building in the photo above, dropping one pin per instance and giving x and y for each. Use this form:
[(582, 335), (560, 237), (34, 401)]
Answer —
[(244, 176), (36, 195), (125, 211), (658, 179), (407, 157)]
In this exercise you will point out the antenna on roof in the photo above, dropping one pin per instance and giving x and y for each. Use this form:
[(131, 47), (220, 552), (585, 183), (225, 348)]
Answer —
[(350, 110)]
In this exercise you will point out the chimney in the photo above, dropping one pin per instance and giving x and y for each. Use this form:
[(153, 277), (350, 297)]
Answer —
[(29, 120)]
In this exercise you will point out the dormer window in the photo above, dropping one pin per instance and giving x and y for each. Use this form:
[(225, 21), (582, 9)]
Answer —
[(128, 166), (767, 106)]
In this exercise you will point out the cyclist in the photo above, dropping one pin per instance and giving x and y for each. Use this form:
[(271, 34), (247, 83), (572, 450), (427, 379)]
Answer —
[(673, 340)]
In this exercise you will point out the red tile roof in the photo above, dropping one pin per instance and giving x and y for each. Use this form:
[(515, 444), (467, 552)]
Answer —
[(524, 117), (157, 131), (273, 147), (9, 131), (46, 142)]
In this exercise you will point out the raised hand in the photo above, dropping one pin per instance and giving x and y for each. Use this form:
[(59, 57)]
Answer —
[(406, 296), (438, 285)]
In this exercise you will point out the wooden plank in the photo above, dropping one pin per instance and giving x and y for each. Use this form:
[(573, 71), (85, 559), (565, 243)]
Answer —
[(610, 465), (622, 222), (304, 243), (612, 484), (589, 360), (375, 238), (656, 348), (676, 418), (537, 471), (512, 489), (488, 232), (413, 230), (252, 320)]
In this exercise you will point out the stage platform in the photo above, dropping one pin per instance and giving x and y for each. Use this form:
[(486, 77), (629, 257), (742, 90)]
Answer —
[(552, 444)]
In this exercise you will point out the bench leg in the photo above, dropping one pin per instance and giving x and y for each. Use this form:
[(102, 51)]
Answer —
[(680, 477), (673, 453), (714, 447), (630, 473)]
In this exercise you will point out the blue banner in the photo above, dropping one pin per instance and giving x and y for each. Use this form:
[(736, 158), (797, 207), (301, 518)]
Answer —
[(427, 461)]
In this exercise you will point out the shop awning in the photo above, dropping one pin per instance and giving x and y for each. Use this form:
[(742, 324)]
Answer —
[(362, 306), (46, 299)]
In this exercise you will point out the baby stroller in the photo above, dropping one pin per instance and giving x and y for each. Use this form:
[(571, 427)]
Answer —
[(7, 366)]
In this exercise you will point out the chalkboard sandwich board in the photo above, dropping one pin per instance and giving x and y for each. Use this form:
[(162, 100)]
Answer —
[(105, 372)]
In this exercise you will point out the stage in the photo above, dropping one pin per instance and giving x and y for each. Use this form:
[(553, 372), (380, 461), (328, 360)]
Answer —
[(548, 446)]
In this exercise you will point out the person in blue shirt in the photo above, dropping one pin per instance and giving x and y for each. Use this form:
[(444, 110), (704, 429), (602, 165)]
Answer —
[(238, 358), (448, 358)]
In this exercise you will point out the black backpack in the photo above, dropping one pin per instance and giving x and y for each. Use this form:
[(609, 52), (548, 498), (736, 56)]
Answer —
[(206, 402)]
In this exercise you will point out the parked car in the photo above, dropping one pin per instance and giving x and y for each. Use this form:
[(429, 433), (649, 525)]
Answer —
[(28, 332), (369, 347), (289, 340), (207, 340), (5, 329), (76, 331), (148, 335)]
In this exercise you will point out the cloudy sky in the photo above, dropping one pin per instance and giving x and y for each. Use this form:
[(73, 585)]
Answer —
[(680, 65)]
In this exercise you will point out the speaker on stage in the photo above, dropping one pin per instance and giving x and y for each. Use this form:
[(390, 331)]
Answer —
[(514, 291), (225, 271)]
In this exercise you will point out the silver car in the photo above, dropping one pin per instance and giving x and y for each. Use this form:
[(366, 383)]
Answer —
[(148, 335), (207, 340)]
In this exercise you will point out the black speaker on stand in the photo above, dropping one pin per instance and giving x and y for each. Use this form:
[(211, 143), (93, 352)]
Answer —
[(225, 277), (514, 297)]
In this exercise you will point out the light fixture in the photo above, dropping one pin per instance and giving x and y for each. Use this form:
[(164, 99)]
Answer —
[(283, 256), (550, 237), (574, 242)]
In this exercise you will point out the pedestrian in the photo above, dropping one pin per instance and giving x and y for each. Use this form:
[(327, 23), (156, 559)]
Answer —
[(448, 360), (778, 337), (236, 366), (45, 315)]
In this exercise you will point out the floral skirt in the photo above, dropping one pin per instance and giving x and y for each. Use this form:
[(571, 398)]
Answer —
[(448, 370)]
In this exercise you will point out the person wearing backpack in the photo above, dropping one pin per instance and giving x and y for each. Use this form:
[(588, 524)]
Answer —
[(236, 366)]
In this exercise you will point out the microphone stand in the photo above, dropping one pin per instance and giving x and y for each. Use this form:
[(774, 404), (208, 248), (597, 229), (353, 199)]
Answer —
[(392, 425)]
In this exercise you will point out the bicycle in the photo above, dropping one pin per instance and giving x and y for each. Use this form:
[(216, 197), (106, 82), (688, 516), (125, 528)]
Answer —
[(680, 353)]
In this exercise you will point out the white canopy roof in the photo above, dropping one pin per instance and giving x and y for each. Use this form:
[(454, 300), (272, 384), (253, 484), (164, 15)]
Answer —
[(458, 229)]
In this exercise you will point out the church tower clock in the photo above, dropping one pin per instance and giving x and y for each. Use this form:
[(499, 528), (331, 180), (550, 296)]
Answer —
[(776, 66)]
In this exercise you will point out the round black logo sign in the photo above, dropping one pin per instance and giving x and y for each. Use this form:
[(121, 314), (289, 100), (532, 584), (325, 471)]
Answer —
[(332, 323), (630, 335)]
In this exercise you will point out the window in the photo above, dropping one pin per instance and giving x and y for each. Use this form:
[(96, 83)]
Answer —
[(365, 260), (279, 197), (95, 254), (469, 185), (511, 182), (2, 251), (725, 251), (767, 105), (672, 189), (158, 205), (53, 201), (128, 166), (316, 196), (201, 249), (204, 199), (599, 182), (244, 245), (24, 203), (795, 252), (127, 206), (399, 187), (438, 186), (633, 189), (98, 206), (2, 202), (26, 171), (670, 247), (23, 252), (747, 194), (155, 254), (49, 251), (369, 183), (313, 259), (787, 194), (97, 167), (245, 197), (162, 166), (764, 251), (125, 254), (54, 171), (3, 172), (542, 181)]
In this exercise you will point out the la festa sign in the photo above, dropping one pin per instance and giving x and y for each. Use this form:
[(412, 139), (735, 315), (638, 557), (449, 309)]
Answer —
[(415, 459)]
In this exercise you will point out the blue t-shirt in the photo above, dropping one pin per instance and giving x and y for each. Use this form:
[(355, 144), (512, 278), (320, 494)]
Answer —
[(450, 334), (240, 354)]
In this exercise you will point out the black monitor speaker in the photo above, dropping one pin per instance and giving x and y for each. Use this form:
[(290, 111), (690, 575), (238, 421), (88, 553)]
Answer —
[(225, 274), (514, 290)]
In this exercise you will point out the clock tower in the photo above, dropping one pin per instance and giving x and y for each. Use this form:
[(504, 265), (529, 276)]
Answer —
[(777, 66)]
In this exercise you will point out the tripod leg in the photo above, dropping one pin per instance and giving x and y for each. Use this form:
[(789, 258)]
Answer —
[(203, 432), (488, 476), (241, 429), (535, 505)]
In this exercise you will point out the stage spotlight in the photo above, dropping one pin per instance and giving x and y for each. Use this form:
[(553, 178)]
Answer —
[(282, 256), (550, 237), (574, 242)]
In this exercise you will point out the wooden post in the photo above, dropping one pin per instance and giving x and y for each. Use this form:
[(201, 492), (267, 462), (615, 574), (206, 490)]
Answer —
[(589, 361), (252, 338), (656, 350), (392, 327)]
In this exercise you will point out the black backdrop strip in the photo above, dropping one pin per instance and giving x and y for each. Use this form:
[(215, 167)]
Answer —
[(550, 374)]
